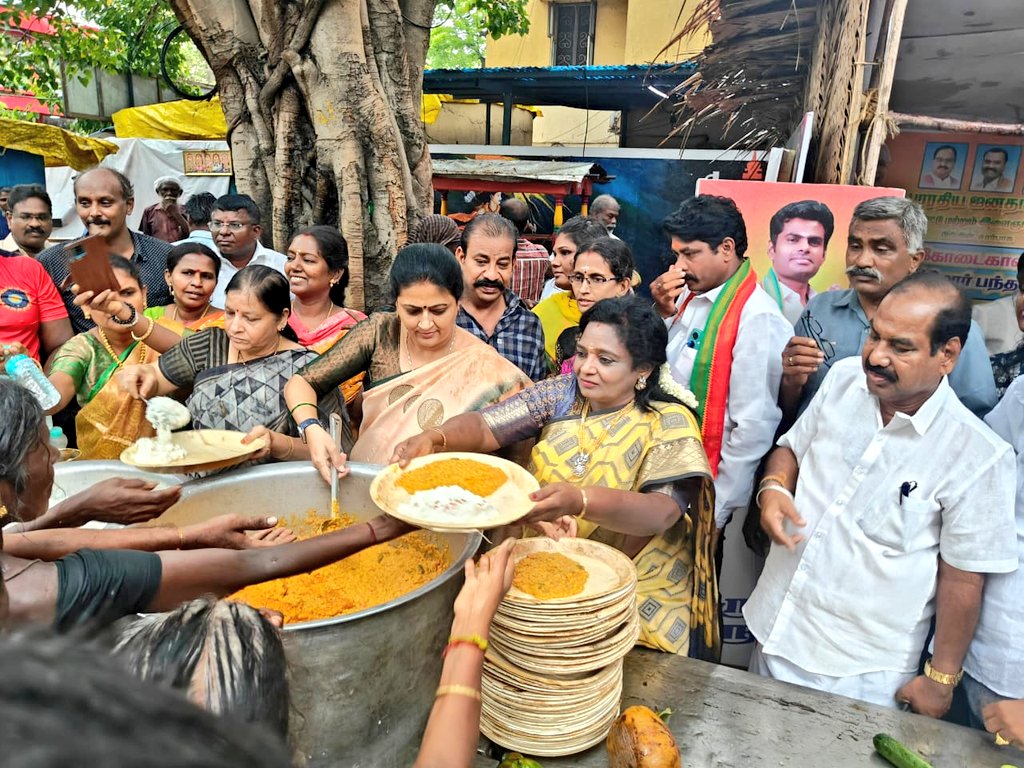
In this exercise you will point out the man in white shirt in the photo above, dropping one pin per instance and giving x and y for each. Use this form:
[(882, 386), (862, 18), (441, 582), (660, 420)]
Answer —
[(994, 667), (903, 502), (30, 217), (993, 172), (197, 210), (798, 237), (235, 224), (716, 311), (604, 209), (941, 175)]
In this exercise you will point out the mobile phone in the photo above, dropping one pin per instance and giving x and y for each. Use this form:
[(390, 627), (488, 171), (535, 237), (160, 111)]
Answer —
[(89, 261)]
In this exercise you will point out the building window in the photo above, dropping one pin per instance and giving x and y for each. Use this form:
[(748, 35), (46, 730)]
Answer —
[(572, 26)]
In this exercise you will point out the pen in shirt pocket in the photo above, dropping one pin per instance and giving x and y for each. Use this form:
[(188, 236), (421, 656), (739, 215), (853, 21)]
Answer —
[(906, 489)]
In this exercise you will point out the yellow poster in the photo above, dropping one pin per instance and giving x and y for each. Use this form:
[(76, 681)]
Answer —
[(970, 186)]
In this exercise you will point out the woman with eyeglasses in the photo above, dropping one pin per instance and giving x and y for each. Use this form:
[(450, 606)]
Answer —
[(557, 308), (619, 459), (603, 271)]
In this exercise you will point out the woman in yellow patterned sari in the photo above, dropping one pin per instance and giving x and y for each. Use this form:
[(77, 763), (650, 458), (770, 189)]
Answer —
[(620, 451), (84, 368)]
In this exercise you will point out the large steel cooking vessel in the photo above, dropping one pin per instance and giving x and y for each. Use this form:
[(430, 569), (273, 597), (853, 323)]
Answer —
[(362, 685)]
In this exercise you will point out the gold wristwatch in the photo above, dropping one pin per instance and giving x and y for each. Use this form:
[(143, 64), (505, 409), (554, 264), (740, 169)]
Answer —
[(941, 677)]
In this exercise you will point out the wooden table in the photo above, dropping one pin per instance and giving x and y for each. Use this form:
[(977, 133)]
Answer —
[(733, 719)]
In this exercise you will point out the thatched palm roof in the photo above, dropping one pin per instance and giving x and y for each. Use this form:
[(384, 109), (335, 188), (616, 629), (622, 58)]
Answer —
[(754, 73)]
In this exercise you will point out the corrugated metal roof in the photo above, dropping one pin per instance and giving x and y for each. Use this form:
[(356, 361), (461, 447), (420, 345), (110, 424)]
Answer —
[(635, 86)]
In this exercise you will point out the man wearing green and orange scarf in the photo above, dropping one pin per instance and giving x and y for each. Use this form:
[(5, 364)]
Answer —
[(726, 337)]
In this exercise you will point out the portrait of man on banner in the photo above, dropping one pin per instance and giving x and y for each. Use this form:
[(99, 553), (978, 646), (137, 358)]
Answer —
[(943, 165), (995, 168), (798, 234)]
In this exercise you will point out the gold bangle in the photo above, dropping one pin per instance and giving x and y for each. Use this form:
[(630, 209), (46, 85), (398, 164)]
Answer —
[(943, 678), (457, 690), (444, 437), (780, 479), (291, 450), (181, 538), (583, 512), (148, 333)]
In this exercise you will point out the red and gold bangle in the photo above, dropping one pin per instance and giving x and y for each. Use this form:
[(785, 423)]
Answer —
[(475, 640)]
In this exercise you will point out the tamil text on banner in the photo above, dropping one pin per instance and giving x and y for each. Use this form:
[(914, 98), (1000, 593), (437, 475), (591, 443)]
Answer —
[(970, 186)]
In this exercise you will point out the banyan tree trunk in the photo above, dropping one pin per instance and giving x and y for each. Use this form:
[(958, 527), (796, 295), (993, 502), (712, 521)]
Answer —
[(322, 100)]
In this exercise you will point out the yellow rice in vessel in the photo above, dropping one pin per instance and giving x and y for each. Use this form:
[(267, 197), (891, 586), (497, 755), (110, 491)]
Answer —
[(549, 575), (368, 578), (475, 476)]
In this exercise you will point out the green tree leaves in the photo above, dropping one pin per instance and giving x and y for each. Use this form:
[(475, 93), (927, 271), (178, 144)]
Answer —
[(458, 39)]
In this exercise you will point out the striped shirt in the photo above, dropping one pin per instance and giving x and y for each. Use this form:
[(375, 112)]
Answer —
[(529, 271)]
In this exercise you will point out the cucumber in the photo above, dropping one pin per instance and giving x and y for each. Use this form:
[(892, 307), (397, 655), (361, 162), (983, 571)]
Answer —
[(898, 754), (516, 760)]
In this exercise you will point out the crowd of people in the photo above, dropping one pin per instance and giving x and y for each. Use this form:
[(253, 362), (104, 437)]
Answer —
[(650, 427)]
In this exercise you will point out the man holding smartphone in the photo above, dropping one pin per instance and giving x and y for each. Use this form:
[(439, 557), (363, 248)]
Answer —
[(104, 198)]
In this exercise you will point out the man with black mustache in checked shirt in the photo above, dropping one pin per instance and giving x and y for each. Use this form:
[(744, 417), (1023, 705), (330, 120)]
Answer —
[(104, 198), (488, 309), (885, 244)]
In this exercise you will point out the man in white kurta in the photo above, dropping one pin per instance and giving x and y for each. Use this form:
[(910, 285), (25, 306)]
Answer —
[(994, 667), (709, 239), (903, 501)]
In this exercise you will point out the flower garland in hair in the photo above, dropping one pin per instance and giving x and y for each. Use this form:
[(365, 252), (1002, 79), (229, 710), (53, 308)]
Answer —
[(672, 387)]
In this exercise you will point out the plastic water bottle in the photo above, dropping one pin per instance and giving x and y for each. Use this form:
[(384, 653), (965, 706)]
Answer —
[(58, 439), (24, 370)]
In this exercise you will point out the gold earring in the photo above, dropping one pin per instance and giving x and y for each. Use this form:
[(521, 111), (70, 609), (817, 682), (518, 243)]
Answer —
[(641, 384)]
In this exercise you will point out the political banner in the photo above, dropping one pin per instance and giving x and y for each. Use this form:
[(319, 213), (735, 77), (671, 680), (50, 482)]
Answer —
[(970, 186), (801, 252)]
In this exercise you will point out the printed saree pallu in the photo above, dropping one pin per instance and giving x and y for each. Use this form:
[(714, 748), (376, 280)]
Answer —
[(405, 405), (111, 420), (677, 593)]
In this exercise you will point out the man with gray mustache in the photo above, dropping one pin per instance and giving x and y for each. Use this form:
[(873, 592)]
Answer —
[(885, 244)]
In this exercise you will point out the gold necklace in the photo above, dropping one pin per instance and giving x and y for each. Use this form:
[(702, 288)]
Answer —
[(408, 351), (330, 311), (174, 315), (110, 349), (581, 460)]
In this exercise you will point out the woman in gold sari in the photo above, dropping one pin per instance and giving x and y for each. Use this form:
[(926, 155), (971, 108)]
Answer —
[(420, 366), (84, 368), (619, 451), (191, 274)]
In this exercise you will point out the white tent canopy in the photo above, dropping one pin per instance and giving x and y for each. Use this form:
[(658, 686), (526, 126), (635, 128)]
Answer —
[(143, 161)]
